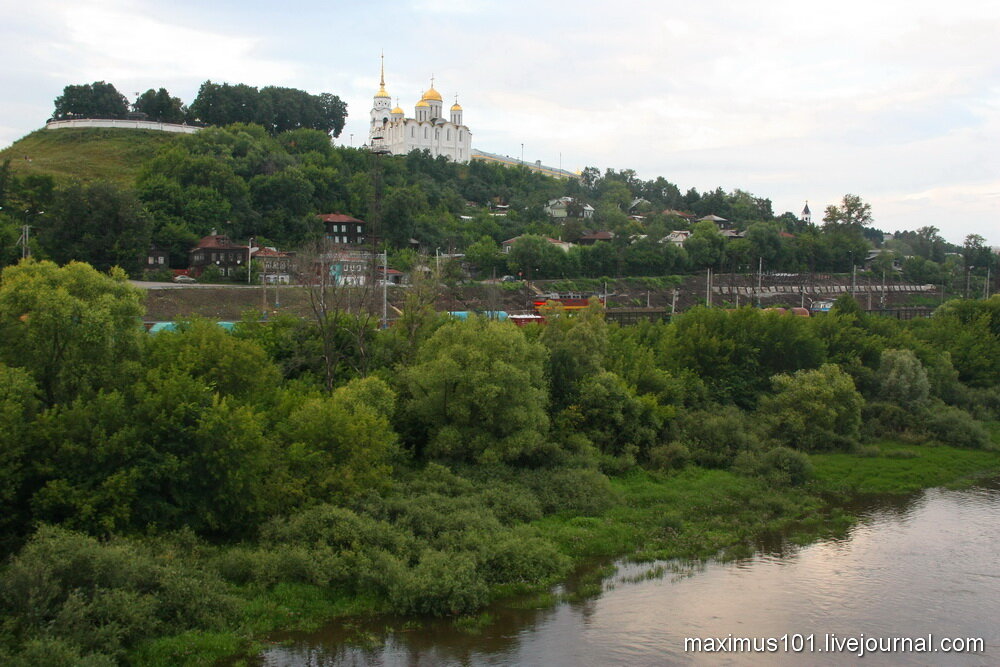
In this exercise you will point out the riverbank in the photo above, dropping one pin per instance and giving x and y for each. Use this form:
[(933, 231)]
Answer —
[(692, 513)]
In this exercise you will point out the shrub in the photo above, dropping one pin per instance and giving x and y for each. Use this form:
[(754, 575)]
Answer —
[(781, 465), (813, 410), (517, 559), (80, 595), (955, 427), (442, 583), (577, 490), (512, 503), (715, 437), (902, 379), (885, 419), (669, 456), (868, 451)]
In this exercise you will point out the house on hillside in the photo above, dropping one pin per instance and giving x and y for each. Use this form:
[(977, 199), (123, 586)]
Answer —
[(594, 237), (677, 237), (157, 258), (562, 245), (275, 265), (721, 223), (342, 229), (568, 207), (219, 251)]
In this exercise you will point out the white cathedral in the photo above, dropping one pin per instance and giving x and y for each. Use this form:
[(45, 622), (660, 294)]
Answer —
[(392, 132)]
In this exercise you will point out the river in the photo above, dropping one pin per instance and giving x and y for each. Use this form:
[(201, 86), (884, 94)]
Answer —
[(927, 565)]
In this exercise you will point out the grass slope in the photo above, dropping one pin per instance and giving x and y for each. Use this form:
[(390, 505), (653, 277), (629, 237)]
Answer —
[(86, 154)]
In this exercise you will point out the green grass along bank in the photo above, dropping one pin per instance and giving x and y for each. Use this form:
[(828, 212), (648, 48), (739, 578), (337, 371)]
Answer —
[(692, 513)]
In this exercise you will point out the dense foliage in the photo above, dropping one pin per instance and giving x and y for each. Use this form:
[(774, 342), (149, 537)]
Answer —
[(267, 175), (156, 485)]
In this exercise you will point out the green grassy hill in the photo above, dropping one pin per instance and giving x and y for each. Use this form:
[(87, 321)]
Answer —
[(85, 153)]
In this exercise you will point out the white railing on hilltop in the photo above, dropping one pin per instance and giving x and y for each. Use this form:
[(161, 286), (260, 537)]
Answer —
[(125, 124)]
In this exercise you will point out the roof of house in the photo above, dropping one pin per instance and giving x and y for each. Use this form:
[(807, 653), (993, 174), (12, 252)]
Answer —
[(217, 242), (713, 218), (337, 217), (550, 240), (271, 252), (598, 236)]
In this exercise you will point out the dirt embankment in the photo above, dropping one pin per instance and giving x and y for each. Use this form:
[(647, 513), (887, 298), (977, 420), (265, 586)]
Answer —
[(164, 303)]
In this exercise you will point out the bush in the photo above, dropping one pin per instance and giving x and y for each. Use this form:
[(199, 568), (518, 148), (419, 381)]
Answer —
[(902, 379), (577, 490), (885, 419), (955, 427), (442, 583), (512, 503), (519, 559), (77, 594), (669, 456), (781, 465), (868, 451), (813, 410), (715, 437)]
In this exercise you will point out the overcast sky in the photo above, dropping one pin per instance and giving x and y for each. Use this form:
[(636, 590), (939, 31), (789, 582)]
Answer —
[(897, 101)]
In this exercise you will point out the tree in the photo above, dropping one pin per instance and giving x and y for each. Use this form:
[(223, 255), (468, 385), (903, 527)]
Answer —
[(534, 257), (706, 246), (97, 223), (902, 379), (203, 350), (158, 105), (18, 406), (576, 350), (92, 100), (341, 445), (274, 108), (477, 393), (484, 255), (73, 329), (852, 215), (813, 410)]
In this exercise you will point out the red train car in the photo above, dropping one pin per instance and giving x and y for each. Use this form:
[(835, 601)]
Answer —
[(567, 300)]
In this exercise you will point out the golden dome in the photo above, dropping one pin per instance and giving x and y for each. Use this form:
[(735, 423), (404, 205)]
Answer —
[(381, 92), (397, 110), (456, 107), (432, 94), (423, 103)]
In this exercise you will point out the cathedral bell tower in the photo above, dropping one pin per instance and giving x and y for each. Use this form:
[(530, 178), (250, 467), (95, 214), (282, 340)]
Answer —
[(380, 113)]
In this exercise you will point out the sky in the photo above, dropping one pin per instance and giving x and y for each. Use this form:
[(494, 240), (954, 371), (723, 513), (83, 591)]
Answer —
[(897, 101)]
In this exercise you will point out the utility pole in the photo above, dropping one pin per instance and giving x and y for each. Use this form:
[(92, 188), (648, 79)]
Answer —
[(760, 272), (23, 242), (708, 287)]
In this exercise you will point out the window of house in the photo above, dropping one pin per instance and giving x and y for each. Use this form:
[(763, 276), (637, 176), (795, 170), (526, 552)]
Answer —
[(150, 260), (159, 260)]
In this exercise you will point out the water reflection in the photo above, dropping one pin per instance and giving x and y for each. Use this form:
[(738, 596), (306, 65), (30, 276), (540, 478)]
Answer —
[(928, 564)]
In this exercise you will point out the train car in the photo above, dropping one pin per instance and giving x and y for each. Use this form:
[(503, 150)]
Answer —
[(567, 300)]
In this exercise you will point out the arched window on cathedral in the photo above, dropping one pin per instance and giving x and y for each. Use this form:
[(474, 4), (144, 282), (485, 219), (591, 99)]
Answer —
[(459, 135), (449, 135), (413, 131), (426, 134)]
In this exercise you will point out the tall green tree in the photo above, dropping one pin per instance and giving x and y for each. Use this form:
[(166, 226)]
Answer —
[(159, 105), (73, 329), (477, 392), (99, 223), (91, 100), (852, 214)]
